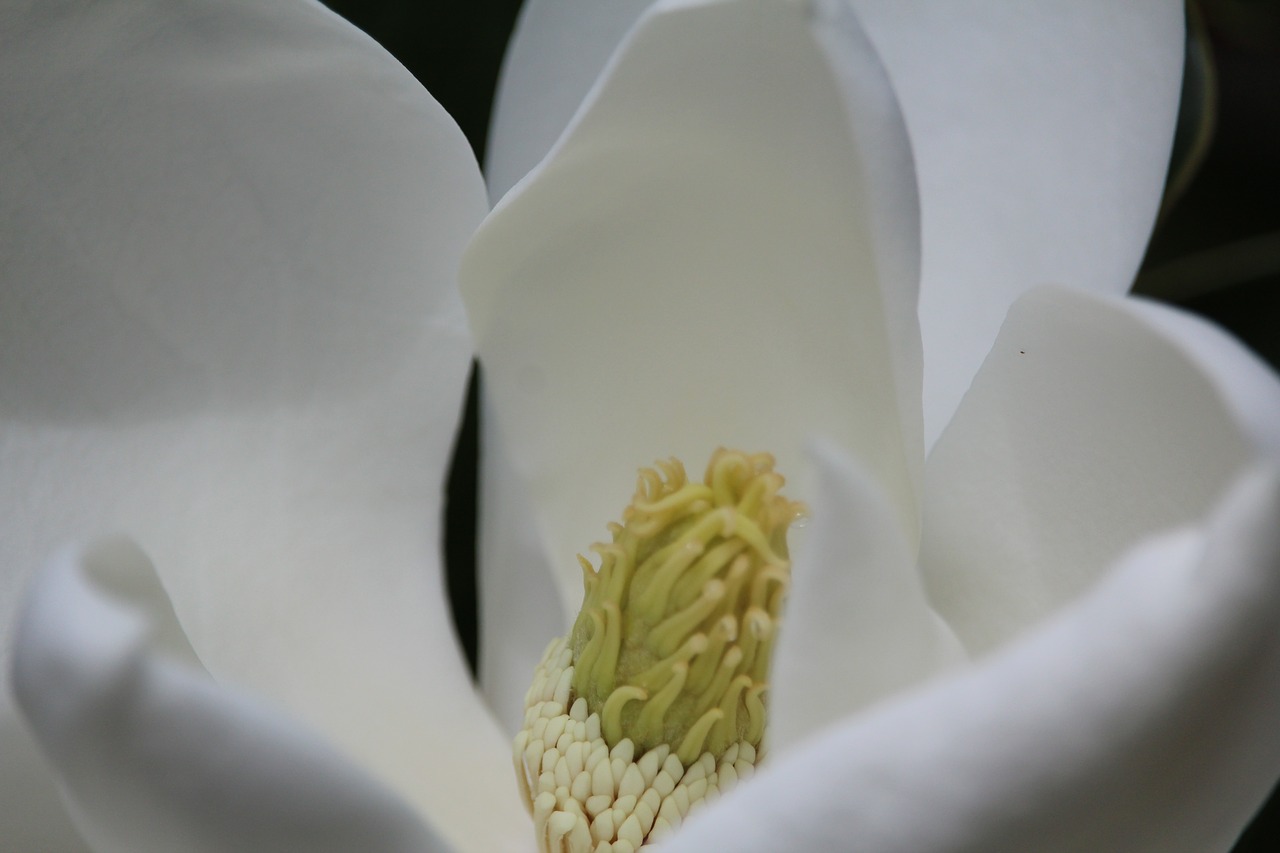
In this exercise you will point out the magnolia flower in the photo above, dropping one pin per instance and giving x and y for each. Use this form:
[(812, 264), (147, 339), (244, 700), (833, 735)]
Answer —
[(232, 333)]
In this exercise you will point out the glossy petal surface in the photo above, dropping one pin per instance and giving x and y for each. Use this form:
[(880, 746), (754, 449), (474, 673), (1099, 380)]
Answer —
[(153, 755), (556, 52), (1041, 134), (521, 603), (229, 328), (1089, 427), (1140, 719), (739, 187), (858, 625)]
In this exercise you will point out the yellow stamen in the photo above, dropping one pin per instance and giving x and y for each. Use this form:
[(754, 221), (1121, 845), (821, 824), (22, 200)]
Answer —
[(655, 700)]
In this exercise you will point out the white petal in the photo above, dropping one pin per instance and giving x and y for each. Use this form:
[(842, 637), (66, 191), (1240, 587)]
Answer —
[(31, 811), (230, 329), (1041, 133), (858, 626), (719, 251), (1245, 383), (520, 605), (1142, 719), (556, 52), (1089, 427), (152, 755)]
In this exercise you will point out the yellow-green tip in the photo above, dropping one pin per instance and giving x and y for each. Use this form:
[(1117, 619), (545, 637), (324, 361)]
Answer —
[(677, 626), (667, 663)]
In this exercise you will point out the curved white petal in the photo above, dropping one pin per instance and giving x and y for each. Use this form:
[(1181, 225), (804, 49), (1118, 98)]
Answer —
[(31, 811), (719, 251), (152, 755), (1089, 426), (229, 327), (1041, 133), (556, 52), (1246, 385), (858, 625), (1142, 719), (521, 608)]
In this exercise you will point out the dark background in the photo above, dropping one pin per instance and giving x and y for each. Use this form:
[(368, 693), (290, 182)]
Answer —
[(1216, 250)]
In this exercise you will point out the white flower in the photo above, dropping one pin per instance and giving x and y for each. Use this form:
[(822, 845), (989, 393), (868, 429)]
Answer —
[(230, 330)]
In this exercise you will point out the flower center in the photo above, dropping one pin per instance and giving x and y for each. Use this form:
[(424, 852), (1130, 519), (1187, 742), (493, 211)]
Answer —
[(656, 699)]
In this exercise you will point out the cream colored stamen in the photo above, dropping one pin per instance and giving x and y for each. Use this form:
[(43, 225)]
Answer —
[(655, 702)]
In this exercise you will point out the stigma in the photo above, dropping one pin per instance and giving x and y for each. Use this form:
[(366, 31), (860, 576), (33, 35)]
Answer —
[(656, 701)]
